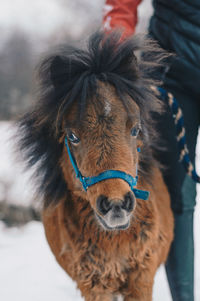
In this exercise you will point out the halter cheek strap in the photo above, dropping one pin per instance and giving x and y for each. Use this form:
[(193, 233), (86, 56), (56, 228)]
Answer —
[(108, 174)]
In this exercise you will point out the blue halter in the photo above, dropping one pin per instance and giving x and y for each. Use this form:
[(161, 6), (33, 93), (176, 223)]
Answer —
[(108, 174)]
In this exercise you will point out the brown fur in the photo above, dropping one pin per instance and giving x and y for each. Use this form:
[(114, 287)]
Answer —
[(107, 263)]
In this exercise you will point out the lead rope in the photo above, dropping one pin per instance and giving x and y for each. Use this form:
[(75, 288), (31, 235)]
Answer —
[(177, 114)]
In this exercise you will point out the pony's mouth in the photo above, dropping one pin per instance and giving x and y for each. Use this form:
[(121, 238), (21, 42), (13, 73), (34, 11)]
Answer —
[(116, 224)]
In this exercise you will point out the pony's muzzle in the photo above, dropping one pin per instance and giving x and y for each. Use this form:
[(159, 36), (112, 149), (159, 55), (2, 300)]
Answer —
[(115, 214), (104, 204)]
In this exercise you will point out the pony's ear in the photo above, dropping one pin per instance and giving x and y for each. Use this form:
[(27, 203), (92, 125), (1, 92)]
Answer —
[(58, 71)]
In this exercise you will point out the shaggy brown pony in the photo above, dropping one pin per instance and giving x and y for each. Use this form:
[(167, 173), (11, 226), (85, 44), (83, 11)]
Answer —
[(100, 99)]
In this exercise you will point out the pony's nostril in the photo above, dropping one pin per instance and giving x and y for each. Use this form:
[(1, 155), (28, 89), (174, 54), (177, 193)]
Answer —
[(103, 204), (128, 202)]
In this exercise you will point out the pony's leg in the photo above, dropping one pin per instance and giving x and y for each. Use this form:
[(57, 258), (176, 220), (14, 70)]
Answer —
[(118, 298), (100, 297), (141, 287), (144, 298)]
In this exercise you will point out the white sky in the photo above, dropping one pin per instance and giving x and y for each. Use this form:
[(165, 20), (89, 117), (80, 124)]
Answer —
[(40, 16)]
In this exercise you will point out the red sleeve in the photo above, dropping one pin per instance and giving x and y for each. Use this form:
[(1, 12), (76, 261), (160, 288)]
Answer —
[(120, 14)]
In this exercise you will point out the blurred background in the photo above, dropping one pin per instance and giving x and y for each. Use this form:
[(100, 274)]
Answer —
[(28, 29)]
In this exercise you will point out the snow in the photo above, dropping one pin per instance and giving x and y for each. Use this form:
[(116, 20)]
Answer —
[(28, 269)]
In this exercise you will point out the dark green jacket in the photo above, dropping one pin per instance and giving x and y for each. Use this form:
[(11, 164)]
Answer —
[(176, 26)]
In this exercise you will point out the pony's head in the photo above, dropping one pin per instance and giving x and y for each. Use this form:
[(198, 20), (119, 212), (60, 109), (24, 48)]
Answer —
[(92, 116), (104, 140)]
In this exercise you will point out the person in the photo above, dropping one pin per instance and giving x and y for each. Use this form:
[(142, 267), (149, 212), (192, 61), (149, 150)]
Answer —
[(175, 25)]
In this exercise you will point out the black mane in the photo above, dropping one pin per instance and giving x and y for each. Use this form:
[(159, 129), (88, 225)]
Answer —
[(71, 75)]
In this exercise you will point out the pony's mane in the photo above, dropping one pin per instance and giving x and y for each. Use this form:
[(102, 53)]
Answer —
[(71, 75)]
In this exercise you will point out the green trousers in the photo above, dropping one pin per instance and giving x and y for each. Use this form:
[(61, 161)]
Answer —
[(180, 263), (182, 189)]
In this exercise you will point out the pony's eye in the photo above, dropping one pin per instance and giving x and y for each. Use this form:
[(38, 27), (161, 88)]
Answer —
[(135, 131), (73, 138)]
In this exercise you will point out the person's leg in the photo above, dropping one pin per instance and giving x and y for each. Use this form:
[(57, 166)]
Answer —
[(180, 263)]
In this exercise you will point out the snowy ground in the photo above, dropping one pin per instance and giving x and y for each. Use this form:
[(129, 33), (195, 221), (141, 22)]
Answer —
[(28, 270)]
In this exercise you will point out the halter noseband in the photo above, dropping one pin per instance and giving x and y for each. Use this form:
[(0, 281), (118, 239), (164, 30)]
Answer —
[(108, 174)]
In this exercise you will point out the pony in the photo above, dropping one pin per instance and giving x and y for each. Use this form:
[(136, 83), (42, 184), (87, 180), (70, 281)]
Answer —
[(91, 136)]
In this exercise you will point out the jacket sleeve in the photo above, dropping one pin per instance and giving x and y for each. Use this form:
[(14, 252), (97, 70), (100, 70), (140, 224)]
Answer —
[(120, 14)]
